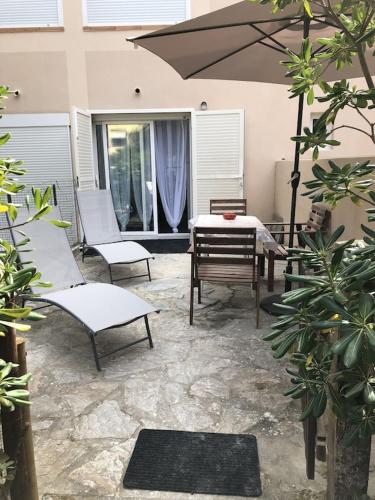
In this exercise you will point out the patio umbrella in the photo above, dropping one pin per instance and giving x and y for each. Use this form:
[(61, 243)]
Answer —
[(244, 42)]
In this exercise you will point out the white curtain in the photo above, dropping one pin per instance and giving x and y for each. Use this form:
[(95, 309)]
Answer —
[(119, 174), (172, 161), (141, 172)]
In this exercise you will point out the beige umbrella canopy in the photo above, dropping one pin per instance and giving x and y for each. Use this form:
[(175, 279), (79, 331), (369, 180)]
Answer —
[(244, 41)]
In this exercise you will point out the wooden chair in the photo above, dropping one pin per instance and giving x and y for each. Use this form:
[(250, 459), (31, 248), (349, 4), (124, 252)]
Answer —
[(225, 255), (237, 206), (319, 218)]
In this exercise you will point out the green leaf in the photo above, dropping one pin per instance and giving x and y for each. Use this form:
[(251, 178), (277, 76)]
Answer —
[(285, 345), (371, 338), (4, 139), (59, 223), (310, 96), (335, 236), (340, 345), (18, 326), (307, 7), (369, 394), (37, 197), (320, 403), (46, 195), (366, 305), (43, 211), (20, 312), (353, 350), (35, 316), (4, 372), (356, 389), (326, 324)]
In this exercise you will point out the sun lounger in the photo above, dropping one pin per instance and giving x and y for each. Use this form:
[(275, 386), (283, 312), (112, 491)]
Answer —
[(97, 306)]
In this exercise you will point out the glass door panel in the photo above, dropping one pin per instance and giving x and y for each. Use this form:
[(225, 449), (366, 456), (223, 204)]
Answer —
[(131, 176)]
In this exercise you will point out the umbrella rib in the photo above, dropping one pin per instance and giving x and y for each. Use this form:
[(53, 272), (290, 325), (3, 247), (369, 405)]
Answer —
[(271, 38), (238, 50), (272, 47), (156, 34)]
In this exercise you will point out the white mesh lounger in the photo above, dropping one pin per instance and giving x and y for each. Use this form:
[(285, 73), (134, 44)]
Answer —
[(97, 306), (101, 232)]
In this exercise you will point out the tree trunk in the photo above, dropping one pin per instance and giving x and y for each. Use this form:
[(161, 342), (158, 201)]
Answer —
[(10, 420), (24, 486), (348, 468), (16, 427)]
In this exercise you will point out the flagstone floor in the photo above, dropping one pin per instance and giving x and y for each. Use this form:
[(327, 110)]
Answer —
[(215, 376)]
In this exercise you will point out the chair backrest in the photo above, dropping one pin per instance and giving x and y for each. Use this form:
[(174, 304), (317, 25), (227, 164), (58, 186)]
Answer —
[(98, 217), (319, 218), (237, 206), (50, 252), (225, 246)]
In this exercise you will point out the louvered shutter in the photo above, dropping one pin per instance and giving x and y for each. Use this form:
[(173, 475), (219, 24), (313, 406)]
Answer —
[(30, 13), (128, 12), (83, 149), (218, 157), (44, 146)]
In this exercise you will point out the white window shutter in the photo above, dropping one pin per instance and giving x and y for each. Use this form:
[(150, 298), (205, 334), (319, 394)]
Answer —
[(217, 157), (135, 12), (83, 151), (42, 141), (30, 13)]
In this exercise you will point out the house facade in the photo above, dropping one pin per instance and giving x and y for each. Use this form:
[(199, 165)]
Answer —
[(95, 111)]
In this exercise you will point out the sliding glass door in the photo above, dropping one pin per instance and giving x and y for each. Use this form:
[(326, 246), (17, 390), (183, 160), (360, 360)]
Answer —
[(131, 175)]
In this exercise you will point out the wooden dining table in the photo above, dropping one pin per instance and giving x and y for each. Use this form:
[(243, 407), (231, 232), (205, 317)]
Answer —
[(264, 237)]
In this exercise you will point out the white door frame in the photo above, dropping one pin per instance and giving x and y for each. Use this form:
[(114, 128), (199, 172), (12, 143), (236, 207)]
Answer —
[(153, 171)]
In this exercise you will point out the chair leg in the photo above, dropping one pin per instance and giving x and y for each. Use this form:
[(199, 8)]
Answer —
[(257, 301), (271, 271), (262, 264), (149, 333), (148, 270), (191, 291), (110, 274), (199, 292), (93, 344)]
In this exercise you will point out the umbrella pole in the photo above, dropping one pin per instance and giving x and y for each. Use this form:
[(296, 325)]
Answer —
[(267, 304), (294, 181), (296, 174)]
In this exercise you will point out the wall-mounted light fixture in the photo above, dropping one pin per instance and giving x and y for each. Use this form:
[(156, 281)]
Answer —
[(204, 106)]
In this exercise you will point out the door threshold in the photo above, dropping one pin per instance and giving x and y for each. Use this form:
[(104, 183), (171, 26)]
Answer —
[(162, 236)]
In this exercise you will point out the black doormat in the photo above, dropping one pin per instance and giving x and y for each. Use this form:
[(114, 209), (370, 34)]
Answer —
[(165, 246), (195, 462)]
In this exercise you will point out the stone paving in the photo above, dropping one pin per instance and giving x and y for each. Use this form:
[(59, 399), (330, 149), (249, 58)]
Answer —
[(215, 376)]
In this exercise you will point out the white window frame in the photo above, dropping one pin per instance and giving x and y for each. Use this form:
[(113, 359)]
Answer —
[(138, 23), (59, 24)]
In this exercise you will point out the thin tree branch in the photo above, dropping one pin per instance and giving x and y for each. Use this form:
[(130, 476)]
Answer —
[(354, 128)]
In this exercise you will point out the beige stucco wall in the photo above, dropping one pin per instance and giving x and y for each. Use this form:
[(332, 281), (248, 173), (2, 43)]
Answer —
[(346, 213), (100, 70)]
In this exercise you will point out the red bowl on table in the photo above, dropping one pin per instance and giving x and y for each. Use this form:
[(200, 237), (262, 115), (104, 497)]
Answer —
[(229, 215)]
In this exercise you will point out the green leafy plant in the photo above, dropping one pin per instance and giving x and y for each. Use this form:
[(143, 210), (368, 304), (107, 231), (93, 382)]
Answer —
[(15, 281), (327, 326)]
